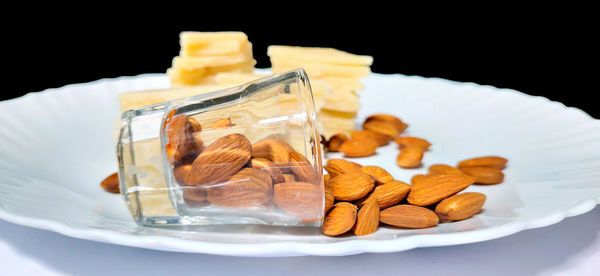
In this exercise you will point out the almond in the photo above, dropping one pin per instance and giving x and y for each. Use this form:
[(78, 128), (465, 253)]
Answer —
[(181, 132), (222, 123), (289, 177), (336, 167), (409, 216), (442, 169), (340, 220), (417, 178), (382, 127), (398, 124), (195, 196), (329, 199), (276, 150), (326, 178), (301, 199), (387, 194), (379, 174), (434, 188), (248, 187), (111, 184), (358, 147), (367, 219), (351, 186), (302, 168), (381, 139), (336, 141), (267, 166), (412, 142), (487, 161), (484, 175), (219, 161), (181, 174), (410, 157), (460, 206)]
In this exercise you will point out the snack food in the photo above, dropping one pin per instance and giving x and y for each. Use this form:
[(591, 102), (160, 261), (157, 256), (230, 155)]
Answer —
[(340, 70), (205, 54)]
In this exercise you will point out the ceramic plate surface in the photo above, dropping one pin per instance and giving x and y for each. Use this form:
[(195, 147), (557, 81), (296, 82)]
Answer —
[(57, 145)]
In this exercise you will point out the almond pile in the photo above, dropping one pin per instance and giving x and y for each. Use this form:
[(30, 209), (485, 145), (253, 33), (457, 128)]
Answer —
[(364, 196), (232, 172), (379, 130)]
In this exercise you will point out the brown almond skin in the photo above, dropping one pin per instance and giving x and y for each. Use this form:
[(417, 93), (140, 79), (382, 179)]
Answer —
[(221, 160), (340, 219), (351, 186), (111, 184), (380, 175), (195, 196), (276, 150), (442, 169), (336, 167), (417, 178), (412, 142), (329, 199), (222, 123), (248, 187), (409, 157), (302, 168), (182, 141), (382, 127), (267, 166), (381, 139), (358, 147), (181, 173), (289, 177), (409, 216), (326, 178), (486, 161), (460, 206), (336, 141), (438, 187), (387, 194), (400, 126), (367, 219), (301, 199), (484, 175)]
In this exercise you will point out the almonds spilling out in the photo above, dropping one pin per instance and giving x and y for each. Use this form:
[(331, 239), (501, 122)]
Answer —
[(340, 219), (409, 157), (358, 147), (367, 219), (337, 167), (379, 174), (437, 187), (334, 143), (111, 184), (351, 186), (484, 175), (487, 161), (387, 194), (460, 206), (381, 198), (409, 216)]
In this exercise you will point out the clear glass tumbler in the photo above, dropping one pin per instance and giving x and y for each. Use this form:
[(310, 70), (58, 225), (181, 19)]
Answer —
[(244, 155)]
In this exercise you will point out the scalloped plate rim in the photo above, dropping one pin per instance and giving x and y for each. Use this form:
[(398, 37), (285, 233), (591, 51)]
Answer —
[(344, 247)]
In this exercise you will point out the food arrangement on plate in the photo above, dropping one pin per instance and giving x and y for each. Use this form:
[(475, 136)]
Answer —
[(225, 145)]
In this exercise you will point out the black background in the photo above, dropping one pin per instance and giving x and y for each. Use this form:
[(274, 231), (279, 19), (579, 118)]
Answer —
[(554, 58)]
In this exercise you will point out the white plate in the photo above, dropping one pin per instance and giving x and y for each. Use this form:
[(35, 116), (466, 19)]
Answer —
[(56, 146)]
